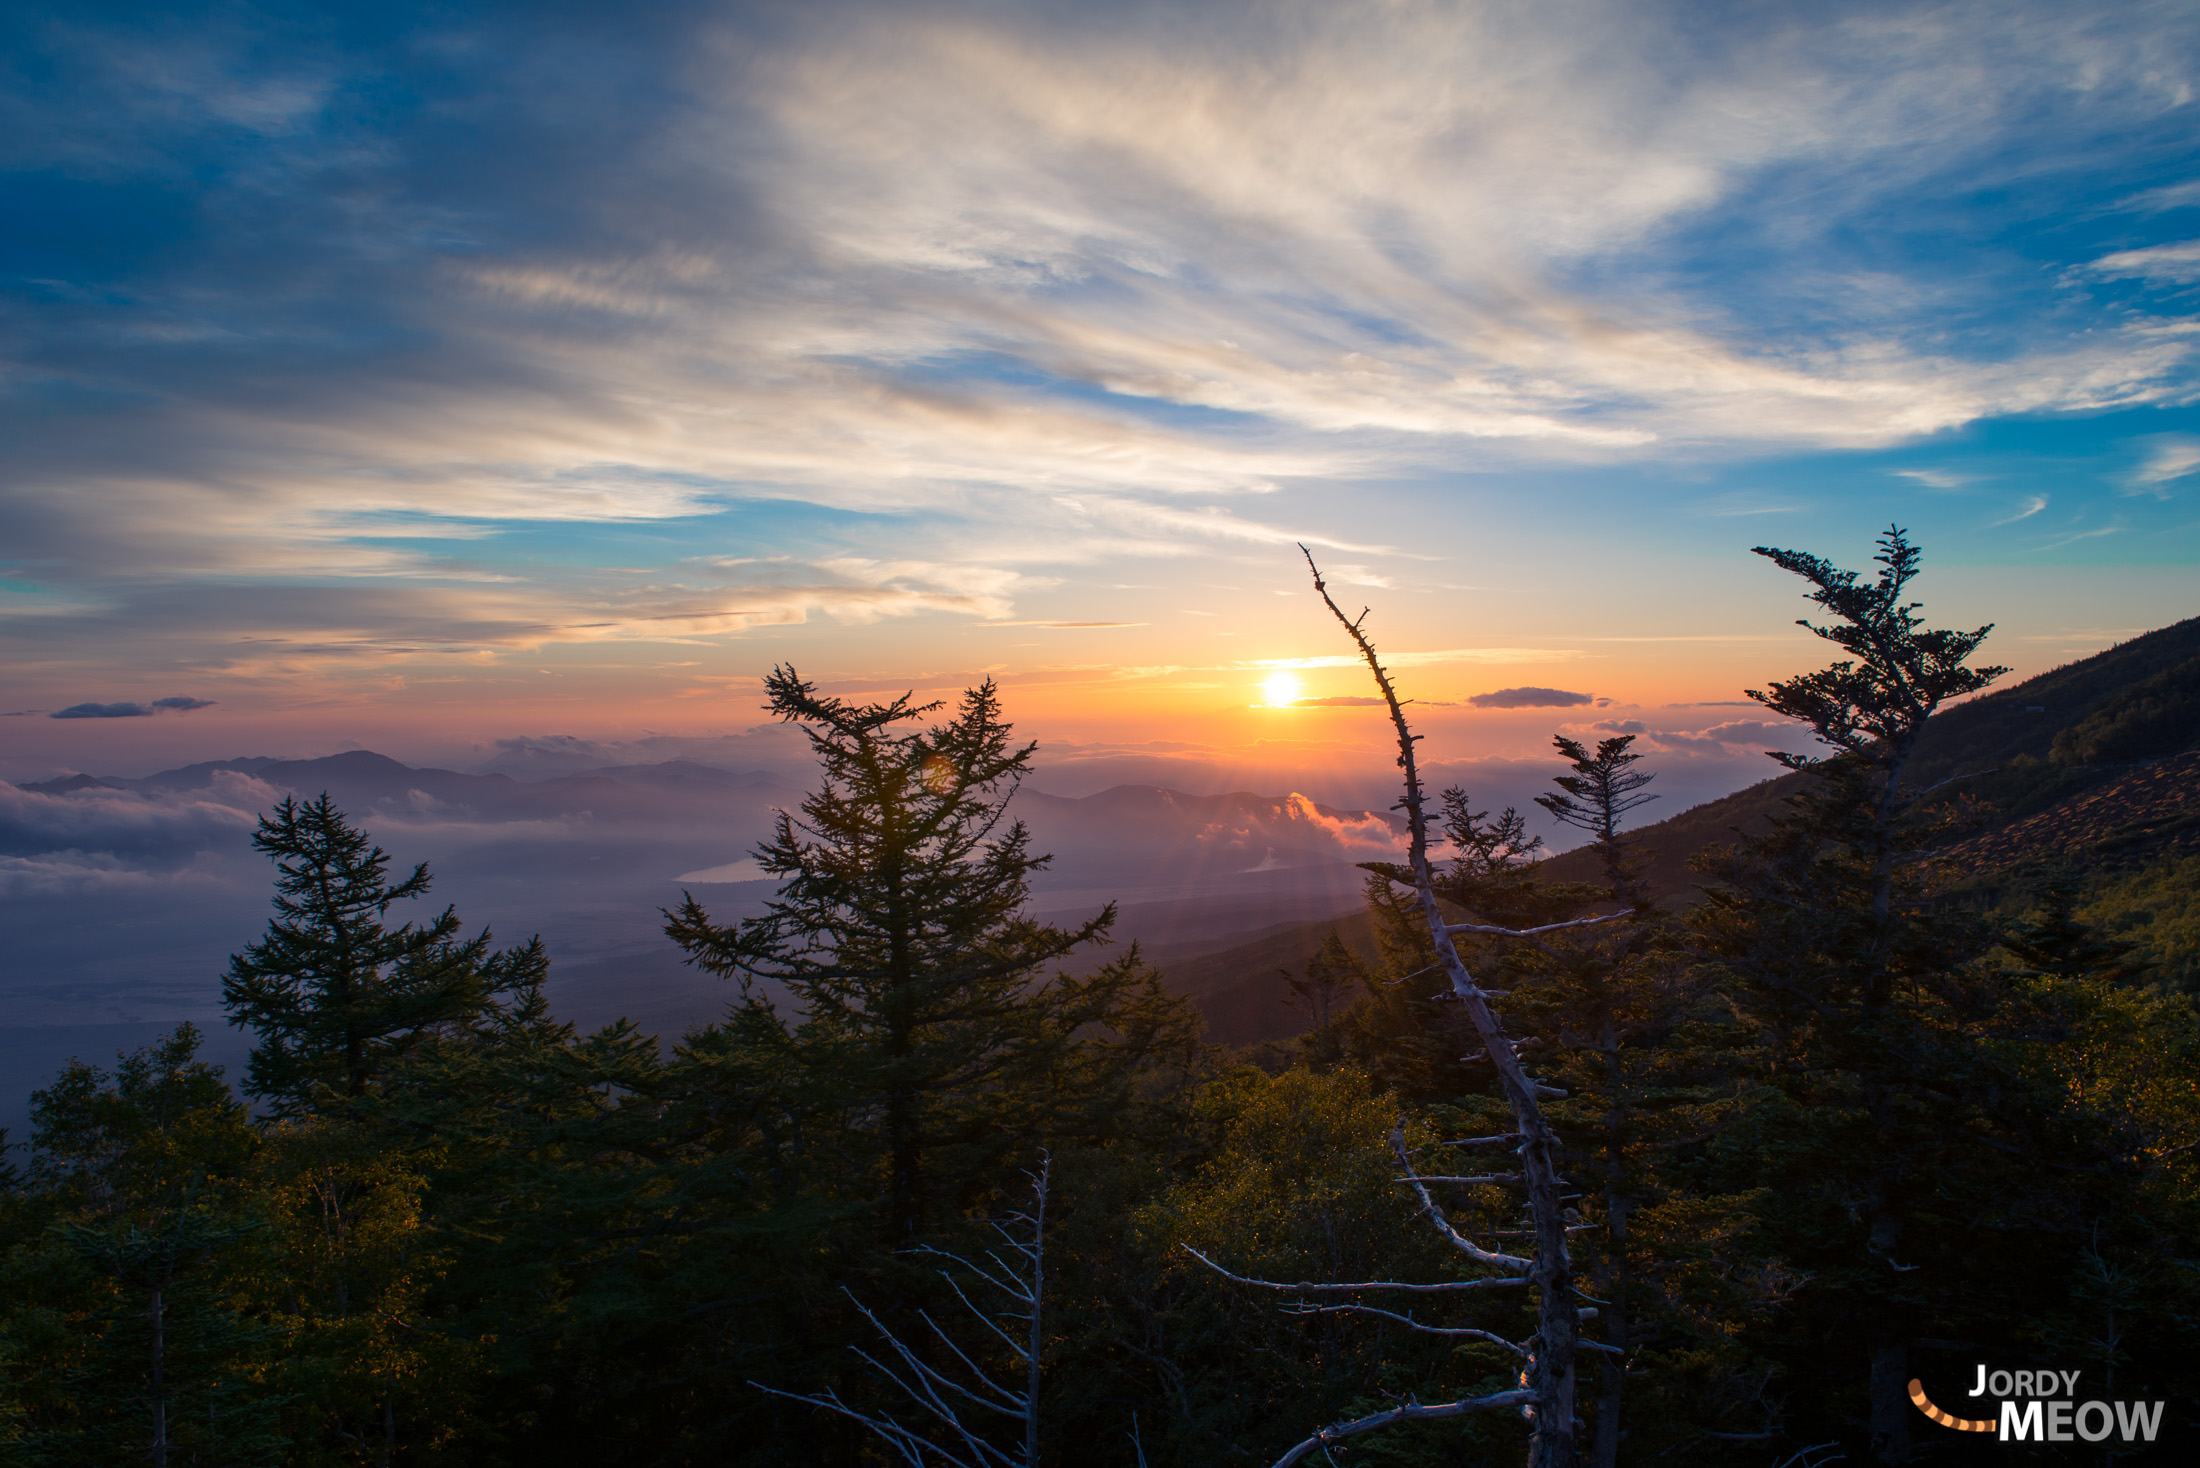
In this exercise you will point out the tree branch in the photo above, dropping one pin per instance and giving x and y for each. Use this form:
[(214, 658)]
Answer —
[(1483, 1335), (1404, 1412), (1436, 1217), (1309, 1287), (1602, 917)]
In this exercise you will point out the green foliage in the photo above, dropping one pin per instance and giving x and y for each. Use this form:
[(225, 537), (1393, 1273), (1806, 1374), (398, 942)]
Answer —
[(2156, 717), (1941, 1110), (2022, 722), (344, 1276), (1830, 1122), (121, 1337), (1872, 705), (1652, 1064), (929, 1047), (1405, 1031), (1300, 1184), (1603, 790), (1397, 1029), (2156, 910), (332, 992)]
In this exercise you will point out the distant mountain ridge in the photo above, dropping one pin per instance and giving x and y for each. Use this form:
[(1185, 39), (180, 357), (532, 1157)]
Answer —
[(586, 859), (363, 781), (1232, 888)]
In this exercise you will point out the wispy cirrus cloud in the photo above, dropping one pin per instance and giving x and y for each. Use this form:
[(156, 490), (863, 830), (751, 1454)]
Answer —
[(1936, 478), (2169, 459), (2032, 505), (989, 295), (2184, 195), (2177, 264)]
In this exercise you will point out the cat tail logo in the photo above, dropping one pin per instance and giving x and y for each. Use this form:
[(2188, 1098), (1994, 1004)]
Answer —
[(1945, 1419)]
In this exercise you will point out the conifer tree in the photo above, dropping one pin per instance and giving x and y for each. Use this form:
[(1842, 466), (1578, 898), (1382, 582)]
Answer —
[(925, 1016), (332, 991), (1870, 708), (1871, 999), (123, 1344), (1597, 797), (1648, 1067)]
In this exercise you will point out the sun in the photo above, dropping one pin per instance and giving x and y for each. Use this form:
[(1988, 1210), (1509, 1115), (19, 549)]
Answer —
[(1280, 690)]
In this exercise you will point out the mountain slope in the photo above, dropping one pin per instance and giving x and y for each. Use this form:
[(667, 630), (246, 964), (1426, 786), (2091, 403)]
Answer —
[(2023, 720), (2022, 750)]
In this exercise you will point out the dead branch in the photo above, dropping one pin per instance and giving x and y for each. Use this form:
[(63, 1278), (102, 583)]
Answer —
[(1602, 917), (1436, 1216), (1404, 1412), (941, 1397), (1550, 1377), (1803, 1458), (1482, 1335), (1311, 1287)]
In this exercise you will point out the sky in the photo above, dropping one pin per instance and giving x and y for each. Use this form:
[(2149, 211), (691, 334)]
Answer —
[(455, 380)]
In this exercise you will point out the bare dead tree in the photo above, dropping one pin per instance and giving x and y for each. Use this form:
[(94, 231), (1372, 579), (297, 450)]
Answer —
[(1547, 1379), (948, 1406)]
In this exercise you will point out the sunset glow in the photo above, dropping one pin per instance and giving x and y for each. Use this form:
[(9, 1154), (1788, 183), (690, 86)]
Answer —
[(665, 655), (919, 346)]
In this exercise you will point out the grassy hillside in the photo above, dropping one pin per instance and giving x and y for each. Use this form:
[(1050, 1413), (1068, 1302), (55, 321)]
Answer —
[(2155, 908), (2000, 727)]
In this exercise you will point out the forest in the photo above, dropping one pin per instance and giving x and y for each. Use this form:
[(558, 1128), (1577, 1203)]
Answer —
[(1757, 1137)]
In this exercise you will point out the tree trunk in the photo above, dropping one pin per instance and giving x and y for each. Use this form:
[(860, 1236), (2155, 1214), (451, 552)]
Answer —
[(1890, 1379), (902, 1143), (1038, 1303), (158, 1313), (1558, 1325), (1891, 1403), (1612, 1311), (1605, 1452)]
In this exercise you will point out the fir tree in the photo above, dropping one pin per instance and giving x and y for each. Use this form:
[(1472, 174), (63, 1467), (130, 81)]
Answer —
[(925, 1016), (1870, 708), (1597, 797), (126, 1345), (1871, 1000), (1648, 1062), (332, 991), (1405, 1030)]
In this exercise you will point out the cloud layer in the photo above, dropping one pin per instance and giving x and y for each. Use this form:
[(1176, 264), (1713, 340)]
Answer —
[(1530, 698), (345, 340), (131, 710)]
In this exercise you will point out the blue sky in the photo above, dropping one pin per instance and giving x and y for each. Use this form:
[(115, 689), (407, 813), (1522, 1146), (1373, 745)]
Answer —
[(367, 371)]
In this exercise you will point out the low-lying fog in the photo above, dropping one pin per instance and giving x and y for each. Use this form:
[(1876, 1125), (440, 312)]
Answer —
[(123, 897)]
